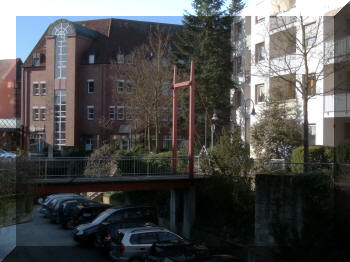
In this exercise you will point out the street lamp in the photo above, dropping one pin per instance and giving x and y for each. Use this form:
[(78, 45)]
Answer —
[(253, 113), (214, 118)]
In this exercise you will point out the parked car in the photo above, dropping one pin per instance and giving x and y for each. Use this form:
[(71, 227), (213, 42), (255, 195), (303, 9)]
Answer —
[(65, 211), (167, 252), (6, 155), (47, 201), (86, 233), (52, 211), (83, 214), (109, 230), (132, 244)]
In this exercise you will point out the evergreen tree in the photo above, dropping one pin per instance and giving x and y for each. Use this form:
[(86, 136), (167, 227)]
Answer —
[(206, 38)]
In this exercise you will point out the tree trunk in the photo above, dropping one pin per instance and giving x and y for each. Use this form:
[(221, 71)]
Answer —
[(306, 133)]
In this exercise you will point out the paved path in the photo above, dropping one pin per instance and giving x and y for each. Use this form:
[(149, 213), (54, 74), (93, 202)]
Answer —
[(40, 240)]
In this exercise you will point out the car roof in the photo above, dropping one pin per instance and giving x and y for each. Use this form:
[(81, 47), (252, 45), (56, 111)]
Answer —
[(143, 229), (131, 207)]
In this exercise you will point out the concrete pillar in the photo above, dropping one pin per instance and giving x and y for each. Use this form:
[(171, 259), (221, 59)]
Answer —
[(50, 151), (189, 213), (174, 199)]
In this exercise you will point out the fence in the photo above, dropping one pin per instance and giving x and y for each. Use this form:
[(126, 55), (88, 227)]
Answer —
[(103, 167)]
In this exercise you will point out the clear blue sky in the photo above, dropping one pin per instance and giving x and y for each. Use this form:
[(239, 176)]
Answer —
[(29, 29)]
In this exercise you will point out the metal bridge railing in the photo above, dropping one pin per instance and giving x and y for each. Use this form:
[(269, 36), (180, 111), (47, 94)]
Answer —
[(103, 167)]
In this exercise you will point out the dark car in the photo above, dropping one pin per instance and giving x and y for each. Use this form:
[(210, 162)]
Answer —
[(86, 233), (83, 214), (52, 212), (109, 230), (65, 211), (50, 200)]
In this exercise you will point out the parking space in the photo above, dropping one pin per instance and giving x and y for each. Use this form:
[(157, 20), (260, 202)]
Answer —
[(40, 240)]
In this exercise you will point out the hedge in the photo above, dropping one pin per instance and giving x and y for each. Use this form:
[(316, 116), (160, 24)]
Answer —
[(317, 154)]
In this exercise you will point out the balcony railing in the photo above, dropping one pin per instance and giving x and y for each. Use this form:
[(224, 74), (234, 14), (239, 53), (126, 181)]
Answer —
[(337, 103)]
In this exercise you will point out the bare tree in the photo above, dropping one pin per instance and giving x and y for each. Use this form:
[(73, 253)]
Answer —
[(300, 54), (147, 77)]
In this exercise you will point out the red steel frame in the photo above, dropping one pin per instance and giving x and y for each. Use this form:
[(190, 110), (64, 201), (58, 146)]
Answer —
[(191, 84)]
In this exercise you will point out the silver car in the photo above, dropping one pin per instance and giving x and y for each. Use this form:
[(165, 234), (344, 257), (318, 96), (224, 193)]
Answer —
[(133, 243)]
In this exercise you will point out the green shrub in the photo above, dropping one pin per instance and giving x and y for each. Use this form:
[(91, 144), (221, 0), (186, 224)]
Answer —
[(317, 154), (343, 152)]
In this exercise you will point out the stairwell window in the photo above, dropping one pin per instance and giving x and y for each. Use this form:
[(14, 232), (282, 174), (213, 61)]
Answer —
[(90, 112), (312, 134), (259, 93), (260, 52)]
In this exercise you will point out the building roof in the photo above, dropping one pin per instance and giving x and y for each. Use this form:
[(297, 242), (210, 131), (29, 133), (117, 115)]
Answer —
[(109, 35), (6, 66)]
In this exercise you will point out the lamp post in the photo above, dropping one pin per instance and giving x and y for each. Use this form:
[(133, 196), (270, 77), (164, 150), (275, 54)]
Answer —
[(214, 118), (253, 113)]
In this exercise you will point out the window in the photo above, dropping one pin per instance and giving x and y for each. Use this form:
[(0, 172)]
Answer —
[(128, 59), (88, 143), (60, 118), (312, 134), (311, 85), (36, 59), (120, 86), (112, 112), (259, 93), (43, 88), (168, 237), (165, 114), (35, 113), (260, 52), (91, 86), (120, 112), (92, 59), (120, 58), (310, 33), (90, 112), (237, 65), (35, 89), (128, 113), (147, 238), (61, 30), (129, 86), (43, 113), (238, 31)]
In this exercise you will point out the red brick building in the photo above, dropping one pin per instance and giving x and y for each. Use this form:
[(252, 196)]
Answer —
[(10, 103), (69, 80)]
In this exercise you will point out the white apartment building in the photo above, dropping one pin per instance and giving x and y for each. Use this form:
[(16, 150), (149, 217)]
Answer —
[(266, 39)]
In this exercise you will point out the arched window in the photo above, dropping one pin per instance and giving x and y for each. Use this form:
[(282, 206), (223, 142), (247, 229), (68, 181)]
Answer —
[(61, 30)]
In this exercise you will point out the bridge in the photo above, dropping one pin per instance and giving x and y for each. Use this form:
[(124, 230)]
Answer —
[(43, 176)]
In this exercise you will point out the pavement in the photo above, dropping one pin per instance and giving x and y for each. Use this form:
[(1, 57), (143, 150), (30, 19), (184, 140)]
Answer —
[(40, 240), (7, 241)]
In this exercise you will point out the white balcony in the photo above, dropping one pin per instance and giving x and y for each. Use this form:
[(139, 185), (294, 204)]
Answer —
[(337, 105)]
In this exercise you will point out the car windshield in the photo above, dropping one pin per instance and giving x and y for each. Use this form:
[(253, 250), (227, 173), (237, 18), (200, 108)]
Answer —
[(101, 217)]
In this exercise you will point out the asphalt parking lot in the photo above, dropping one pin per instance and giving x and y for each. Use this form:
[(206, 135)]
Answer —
[(40, 240)]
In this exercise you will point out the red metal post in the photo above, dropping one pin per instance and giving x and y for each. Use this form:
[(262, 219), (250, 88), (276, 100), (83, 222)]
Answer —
[(191, 123), (174, 129), (191, 127)]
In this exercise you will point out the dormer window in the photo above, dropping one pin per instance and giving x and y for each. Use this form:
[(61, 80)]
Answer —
[(36, 59), (92, 59)]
